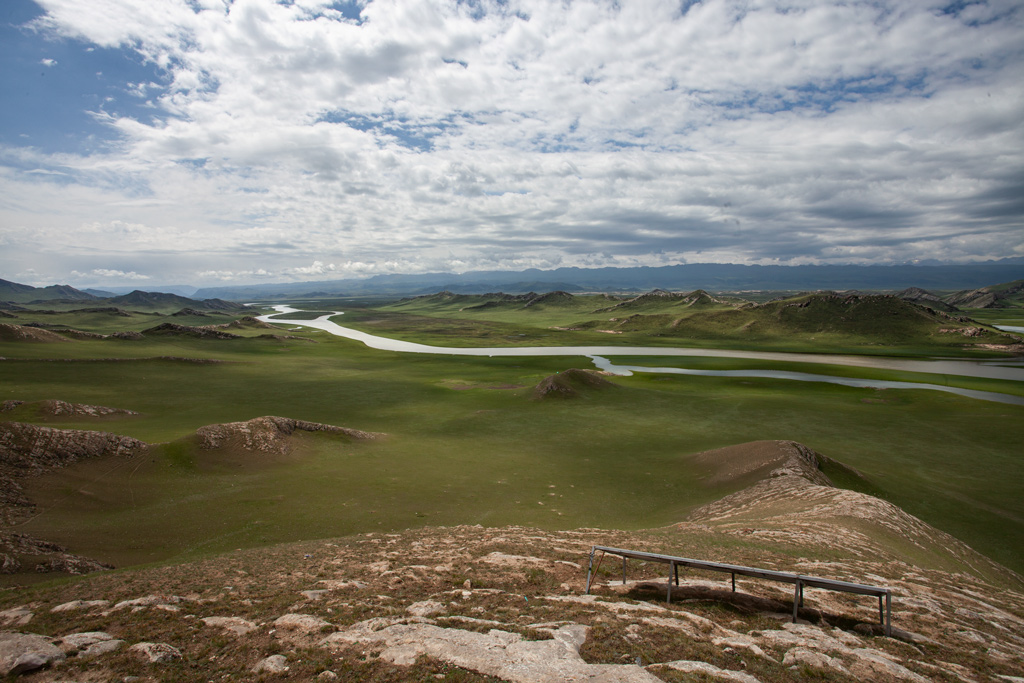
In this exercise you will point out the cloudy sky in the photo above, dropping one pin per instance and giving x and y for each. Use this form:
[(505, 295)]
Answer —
[(218, 142)]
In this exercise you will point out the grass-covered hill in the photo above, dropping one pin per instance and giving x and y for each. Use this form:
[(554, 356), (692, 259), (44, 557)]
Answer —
[(163, 302), (829, 318), (78, 321), (571, 383), (816, 321), (1005, 295), (19, 293)]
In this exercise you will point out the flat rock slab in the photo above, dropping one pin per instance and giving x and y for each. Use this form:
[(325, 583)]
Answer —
[(497, 653), (710, 670), (236, 625), (23, 652), (16, 616), (150, 601), (75, 605), (301, 622)]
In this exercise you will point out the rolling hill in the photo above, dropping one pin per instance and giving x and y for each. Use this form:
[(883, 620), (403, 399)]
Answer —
[(18, 293), (1006, 295)]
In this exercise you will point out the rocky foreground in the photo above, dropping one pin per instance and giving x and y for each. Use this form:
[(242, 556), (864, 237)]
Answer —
[(478, 604)]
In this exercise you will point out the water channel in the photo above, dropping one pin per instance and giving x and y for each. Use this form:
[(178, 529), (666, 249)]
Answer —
[(598, 356)]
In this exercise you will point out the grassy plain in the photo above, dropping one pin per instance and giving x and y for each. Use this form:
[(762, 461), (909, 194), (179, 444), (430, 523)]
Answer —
[(871, 325), (467, 445)]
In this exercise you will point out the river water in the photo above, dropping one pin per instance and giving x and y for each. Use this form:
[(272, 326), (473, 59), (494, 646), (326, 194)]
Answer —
[(598, 355)]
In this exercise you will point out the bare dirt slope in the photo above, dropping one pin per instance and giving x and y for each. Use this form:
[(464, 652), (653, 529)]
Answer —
[(479, 604)]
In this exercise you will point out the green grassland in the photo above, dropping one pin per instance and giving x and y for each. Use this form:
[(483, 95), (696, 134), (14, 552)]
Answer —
[(106, 320), (466, 442), (998, 316), (866, 324)]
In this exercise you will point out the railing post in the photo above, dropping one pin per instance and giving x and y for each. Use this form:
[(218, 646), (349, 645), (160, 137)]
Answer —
[(623, 570), (888, 613), (671, 570), (796, 598), (590, 567)]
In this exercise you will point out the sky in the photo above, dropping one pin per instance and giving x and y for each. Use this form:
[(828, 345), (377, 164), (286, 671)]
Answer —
[(219, 142)]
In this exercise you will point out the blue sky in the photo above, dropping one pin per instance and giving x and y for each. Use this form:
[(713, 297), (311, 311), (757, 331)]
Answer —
[(216, 142)]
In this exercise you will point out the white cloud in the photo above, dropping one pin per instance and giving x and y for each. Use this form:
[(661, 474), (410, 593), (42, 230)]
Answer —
[(48, 62), (109, 274), (294, 141)]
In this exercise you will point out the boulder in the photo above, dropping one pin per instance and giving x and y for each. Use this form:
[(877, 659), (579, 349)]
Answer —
[(274, 664), (156, 653), (79, 641), (23, 652), (426, 608), (800, 656), (101, 648)]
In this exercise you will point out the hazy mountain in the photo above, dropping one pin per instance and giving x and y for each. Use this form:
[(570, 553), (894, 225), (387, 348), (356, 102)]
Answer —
[(140, 300), (715, 277), (13, 291), (180, 290)]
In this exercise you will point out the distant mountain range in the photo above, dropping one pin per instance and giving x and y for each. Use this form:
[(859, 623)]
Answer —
[(15, 293), (715, 277)]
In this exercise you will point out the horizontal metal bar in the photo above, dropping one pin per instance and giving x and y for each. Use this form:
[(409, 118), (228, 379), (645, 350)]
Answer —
[(784, 577)]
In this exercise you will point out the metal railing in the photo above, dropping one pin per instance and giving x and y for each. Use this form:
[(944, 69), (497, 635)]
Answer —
[(799, 581)]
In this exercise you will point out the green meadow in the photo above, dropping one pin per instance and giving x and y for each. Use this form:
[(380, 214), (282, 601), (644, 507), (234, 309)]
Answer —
[(806, 323), (468, 444)]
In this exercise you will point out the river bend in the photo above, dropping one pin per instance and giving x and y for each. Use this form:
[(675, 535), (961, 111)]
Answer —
[(598, 355)]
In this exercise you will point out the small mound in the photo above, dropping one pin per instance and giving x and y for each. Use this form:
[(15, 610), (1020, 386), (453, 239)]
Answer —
[(189, 312), (247, 322), (174, 330), (130, 335), (24, 333), (20, 552), (746, 463), (573, 383), (79, 334), (268, 434), (556, 298)]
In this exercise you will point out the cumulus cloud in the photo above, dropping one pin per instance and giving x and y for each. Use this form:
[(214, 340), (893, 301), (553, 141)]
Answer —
[(309, 140)]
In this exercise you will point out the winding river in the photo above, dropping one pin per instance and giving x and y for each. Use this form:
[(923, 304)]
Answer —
[(598, 355)]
